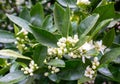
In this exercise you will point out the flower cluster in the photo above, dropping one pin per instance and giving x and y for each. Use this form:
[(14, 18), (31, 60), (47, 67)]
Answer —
[(95, 63), (52, 70), (22, 40), (29, 70), (64, 46), (89, 72), (87, 50)]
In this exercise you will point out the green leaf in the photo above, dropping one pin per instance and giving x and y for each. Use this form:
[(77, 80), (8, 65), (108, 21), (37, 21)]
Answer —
[(106, 72), (110, 56), (105, 12), (4, 70), (25, 14), (94, 3), (6, 53), (44, 37), (16, 29), (57, 63), (12, 78), (109, 38), (6, 37), (20, 22), (62, 19), (14, 67), (83, 80), (39, 54), (70, 3), (73, 70), (53, 77), (48, 24), (111, 71), (115, 70), (37, 15), (100, 26), (87, 24), (2, 62)]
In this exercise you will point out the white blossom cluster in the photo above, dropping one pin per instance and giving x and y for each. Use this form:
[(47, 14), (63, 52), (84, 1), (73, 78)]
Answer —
[(52, 70), (89, 72), (64, 46), (21, 40), (86, 2), (29, 70), (95, 63), (83, 51)]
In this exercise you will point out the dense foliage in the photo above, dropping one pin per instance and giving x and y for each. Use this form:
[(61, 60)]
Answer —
[(59, 41)]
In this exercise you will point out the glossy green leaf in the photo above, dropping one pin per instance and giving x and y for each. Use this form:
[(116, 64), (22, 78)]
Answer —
[(12, 78), (14, 67), (20, 22), (53, 77), (100, 26), (4, 70), (62, 19), (109, 38), (6, 53), (115, 70), (25, 14), (39, 54), (44, 37), (87, 24), (6, 37), (83, 80), (2, 62), (94, 3), (111, 71), (73, 70), (37, 15), (57, 63), (110, 56), (106, 72), (48, 24), (105, 12), (70, 3)]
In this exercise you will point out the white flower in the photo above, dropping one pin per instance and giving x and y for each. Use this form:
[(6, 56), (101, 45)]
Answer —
[(89, 72), (69, 39), (49, 67), (61, 44), (86, 2), (46, 74), (50, 50), (65, 50), (99, 46), (87, 46), (60, 52), (25, 72), (57, 70), (30, 70), (62, 40), (31, 74), (75, 39), (19, 2), (53, 68)]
